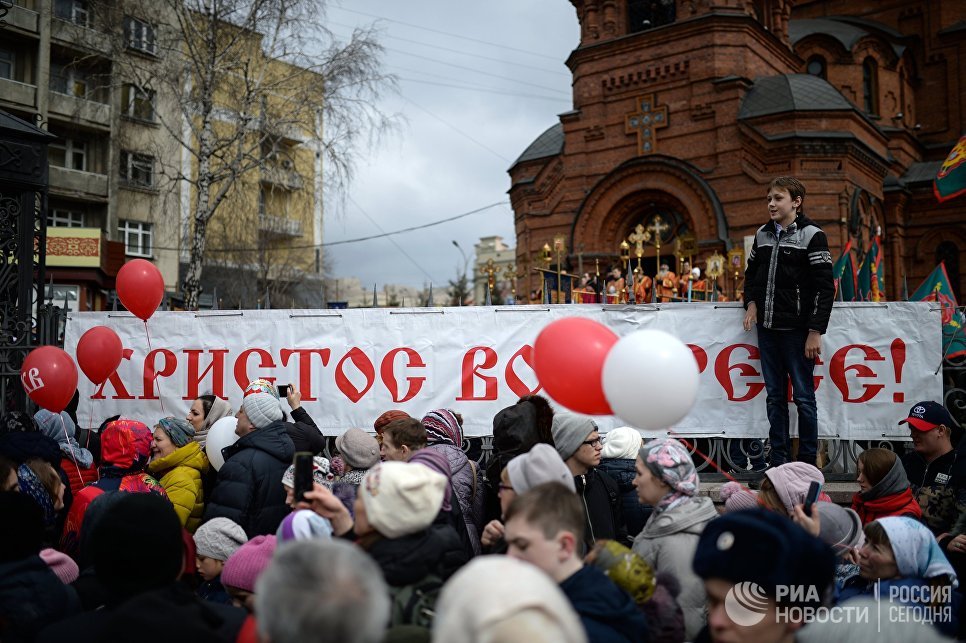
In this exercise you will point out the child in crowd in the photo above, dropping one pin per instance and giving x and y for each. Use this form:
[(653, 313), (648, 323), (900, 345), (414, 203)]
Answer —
[(242, 569), (215, 542)]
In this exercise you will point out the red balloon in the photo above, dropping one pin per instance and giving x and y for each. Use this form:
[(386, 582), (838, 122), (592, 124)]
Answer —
[(99, 353), (50, 377), (568, 358), (140, 287)]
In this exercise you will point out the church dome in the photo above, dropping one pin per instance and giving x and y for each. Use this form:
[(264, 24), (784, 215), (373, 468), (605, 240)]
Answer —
[(550, 143), (792, 93)]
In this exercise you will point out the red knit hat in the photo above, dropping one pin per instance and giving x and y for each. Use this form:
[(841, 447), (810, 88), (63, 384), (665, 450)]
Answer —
[(387, 417)]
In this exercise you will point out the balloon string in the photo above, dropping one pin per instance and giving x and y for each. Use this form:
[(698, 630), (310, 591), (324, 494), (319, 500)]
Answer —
[(70, 447), (90, 429), (154, 380), (694, 449)]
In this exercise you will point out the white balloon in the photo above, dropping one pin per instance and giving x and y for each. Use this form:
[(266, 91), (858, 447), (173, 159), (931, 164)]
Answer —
[(650, 379), (220, 435)]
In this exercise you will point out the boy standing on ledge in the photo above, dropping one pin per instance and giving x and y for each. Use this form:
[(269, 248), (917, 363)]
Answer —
[(788, 295)]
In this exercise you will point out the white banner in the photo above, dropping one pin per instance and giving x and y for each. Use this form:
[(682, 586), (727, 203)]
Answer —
[(352, 365)]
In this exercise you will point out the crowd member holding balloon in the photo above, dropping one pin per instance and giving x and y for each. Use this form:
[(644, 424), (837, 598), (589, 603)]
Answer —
[(579, 445), (204, 412), (77, 462), (125, 450), (248, 490), (667, 480), (179, 464), (788, 297)]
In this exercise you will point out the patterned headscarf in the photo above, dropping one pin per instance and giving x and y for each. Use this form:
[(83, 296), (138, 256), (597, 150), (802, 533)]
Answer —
[(31, 485), (442, 427), (60, 427), (917, 553), (440, 464), (18, 422), (671, 463), (178, 430), (126, 444)]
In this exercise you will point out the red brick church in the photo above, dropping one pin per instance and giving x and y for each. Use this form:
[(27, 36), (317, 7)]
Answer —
[(686, 109)]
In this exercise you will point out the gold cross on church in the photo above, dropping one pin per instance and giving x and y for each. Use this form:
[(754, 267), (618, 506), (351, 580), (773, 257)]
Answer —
[(645, 122)]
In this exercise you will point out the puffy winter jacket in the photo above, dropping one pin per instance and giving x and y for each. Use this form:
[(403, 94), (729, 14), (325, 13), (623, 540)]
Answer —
[(789, 276), (468, 487), (668, 542), (622, 471), (608, 614), (304, 432), (249, 488), (409, 559), (180, 473)]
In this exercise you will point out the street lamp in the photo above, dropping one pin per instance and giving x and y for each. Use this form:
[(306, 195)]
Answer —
[(466, 264)]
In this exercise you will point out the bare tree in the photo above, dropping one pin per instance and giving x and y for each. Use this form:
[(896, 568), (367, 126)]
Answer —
[(253, 80)]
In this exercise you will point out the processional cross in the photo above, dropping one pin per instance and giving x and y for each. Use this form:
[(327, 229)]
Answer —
[(638, 237)]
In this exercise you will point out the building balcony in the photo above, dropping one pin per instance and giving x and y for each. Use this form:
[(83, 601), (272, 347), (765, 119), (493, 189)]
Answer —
[(83, 248), (288, 179), (68, 34), (76, 183), (22, 19), (14, 92), (279, 226), (80, 110)]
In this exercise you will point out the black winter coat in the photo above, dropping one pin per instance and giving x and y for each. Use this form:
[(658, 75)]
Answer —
[(601, 499), (789, 277), (304, 432), (31, 597), (623, 472), (412, 558), (249, 490)]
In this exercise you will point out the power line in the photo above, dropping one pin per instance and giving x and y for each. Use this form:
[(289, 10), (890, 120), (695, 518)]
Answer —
[(464, 53), (450, 34), (391, 240), (456, 129), (481, 89), (356, 240)]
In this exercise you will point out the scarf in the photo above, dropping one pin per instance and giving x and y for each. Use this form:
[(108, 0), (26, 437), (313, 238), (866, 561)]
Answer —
[(442, 427), (670, 501), (61, 428), (917, 553), (219, 409), (897, 504), (893, 482), (30, 485)]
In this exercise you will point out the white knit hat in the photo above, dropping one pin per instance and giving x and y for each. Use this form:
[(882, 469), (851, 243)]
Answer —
[(401, 498), (621, 443)]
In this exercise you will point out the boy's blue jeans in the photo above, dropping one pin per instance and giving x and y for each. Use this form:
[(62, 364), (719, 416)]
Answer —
[(783, 357)]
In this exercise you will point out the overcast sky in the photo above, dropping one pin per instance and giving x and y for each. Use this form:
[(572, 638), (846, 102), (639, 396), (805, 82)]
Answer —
[(478, 82)]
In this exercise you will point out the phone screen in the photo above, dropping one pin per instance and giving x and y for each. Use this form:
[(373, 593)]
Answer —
[(811, 497), (303, 474), (283, 390)]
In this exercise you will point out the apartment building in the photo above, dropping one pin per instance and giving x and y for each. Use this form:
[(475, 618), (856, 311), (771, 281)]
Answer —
[(90, 73)]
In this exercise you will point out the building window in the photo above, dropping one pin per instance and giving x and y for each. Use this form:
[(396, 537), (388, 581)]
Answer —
[(137, 169), (647, 14), (816, 67), (66, 79), (137, 238), (870, 86), (68, 154), (75, 11), (7, 61), (138, 102), (65, 219), (139, 35)]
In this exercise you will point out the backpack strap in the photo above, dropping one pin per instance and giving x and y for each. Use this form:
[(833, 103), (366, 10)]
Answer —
[(473, 469)]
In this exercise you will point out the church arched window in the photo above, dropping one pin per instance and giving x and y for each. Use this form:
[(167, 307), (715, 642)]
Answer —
[(816, 67), (870, 86), (647, 14)]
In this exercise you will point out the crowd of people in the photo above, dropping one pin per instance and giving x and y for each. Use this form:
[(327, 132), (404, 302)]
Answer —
[(127, 533)]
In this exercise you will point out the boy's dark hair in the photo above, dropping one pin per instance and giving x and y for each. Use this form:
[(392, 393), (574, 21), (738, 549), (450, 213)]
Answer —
[(552, 508), (408, 432), (793, 186)]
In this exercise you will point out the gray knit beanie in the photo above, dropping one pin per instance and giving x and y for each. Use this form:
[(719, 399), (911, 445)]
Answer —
[(219, 538), (540, 464), (569, 432), (359, 449), (262, 409)]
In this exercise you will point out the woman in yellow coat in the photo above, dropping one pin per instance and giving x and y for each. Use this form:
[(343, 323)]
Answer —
[(179, 464)]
